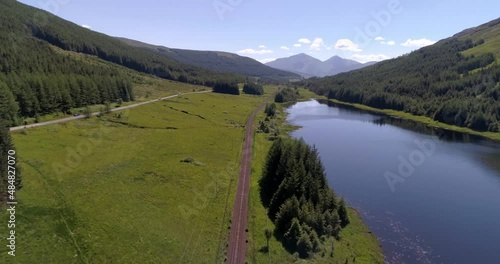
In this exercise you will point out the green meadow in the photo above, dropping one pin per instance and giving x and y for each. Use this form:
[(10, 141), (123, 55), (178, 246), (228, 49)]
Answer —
[(154, 184)]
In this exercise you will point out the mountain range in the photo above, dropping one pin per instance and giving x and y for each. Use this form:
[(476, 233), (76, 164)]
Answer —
[(219, 61), (308, 66)]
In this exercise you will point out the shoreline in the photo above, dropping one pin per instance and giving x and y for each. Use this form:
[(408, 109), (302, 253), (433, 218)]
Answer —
[(357, 220), (420, 119)]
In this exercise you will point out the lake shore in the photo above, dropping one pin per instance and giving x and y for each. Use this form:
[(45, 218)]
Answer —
[(421, 119), (358, 241)]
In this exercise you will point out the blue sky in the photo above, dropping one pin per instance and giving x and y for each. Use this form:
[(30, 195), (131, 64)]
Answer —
[(362, 30)]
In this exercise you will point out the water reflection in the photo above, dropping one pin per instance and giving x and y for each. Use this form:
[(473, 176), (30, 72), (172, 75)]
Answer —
[(382, 120), (450, 202)]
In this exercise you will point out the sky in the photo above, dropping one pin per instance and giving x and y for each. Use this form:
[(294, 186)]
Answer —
[(361, 30)]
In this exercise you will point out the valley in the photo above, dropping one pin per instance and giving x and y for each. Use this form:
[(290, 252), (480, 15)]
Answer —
[(249, 132)]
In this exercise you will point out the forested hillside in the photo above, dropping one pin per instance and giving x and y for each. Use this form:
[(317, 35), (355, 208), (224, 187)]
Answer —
[(445, 81), (37, 78), (218, 61)]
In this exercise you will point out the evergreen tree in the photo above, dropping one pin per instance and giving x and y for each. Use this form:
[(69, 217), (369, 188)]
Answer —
[(299, 201), (343, 213), (8, 106)]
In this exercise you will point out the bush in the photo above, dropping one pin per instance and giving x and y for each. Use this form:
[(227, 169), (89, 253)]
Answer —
[(270, 109), (253, 88), (286, 95), (226, 88)]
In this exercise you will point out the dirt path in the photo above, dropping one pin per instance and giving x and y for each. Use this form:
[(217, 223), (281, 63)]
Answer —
[(236, 251), (67, 119)]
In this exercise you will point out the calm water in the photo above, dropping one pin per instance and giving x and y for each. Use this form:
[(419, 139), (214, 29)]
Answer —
[(444, 203)]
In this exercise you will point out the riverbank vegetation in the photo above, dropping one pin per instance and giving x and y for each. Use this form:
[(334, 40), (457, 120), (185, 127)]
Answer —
[(299, 201), (286, 94), (356, 245), (438, 82)]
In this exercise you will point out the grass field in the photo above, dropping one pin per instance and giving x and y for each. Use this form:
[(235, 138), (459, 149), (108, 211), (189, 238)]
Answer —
[(357, 242), (114, 190)]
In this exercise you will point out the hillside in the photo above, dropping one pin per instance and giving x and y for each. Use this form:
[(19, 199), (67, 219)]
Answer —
[(39, 76), (455, 81), (218, 61), (308, 66)]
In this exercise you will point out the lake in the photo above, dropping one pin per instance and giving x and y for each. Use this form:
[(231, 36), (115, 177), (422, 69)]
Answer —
[(429, 195)]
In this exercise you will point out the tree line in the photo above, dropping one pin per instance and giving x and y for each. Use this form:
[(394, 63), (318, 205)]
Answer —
[(22, 20), (41, 71), (295, 192), (253, 88), (437, 81), (286, 94)]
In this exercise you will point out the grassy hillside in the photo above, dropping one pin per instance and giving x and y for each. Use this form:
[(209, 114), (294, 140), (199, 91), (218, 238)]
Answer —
[(490, 32), (218, 61), (42, 72), (154, 186), (455, 81)]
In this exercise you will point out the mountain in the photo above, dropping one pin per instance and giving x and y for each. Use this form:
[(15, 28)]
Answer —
[(455, 81), (217, 61), (308, 66), (302, 64), (49, 64)]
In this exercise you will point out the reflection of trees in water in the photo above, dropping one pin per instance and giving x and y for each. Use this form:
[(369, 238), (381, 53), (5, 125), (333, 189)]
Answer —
[(347, 109), (442, 134), (489, 156), (492, 160)]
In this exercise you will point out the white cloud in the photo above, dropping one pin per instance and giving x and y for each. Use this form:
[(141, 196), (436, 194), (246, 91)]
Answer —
[(317, 44), (262, 46), (390, 42), (264, 61), (418, 43), (252, 51), (348, 45), (284, 48), (304, 41), (369, 57), (379, 38), (298, 45), (86, 26)]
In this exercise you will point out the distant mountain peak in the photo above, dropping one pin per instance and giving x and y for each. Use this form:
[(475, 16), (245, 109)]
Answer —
[(308, 66)]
